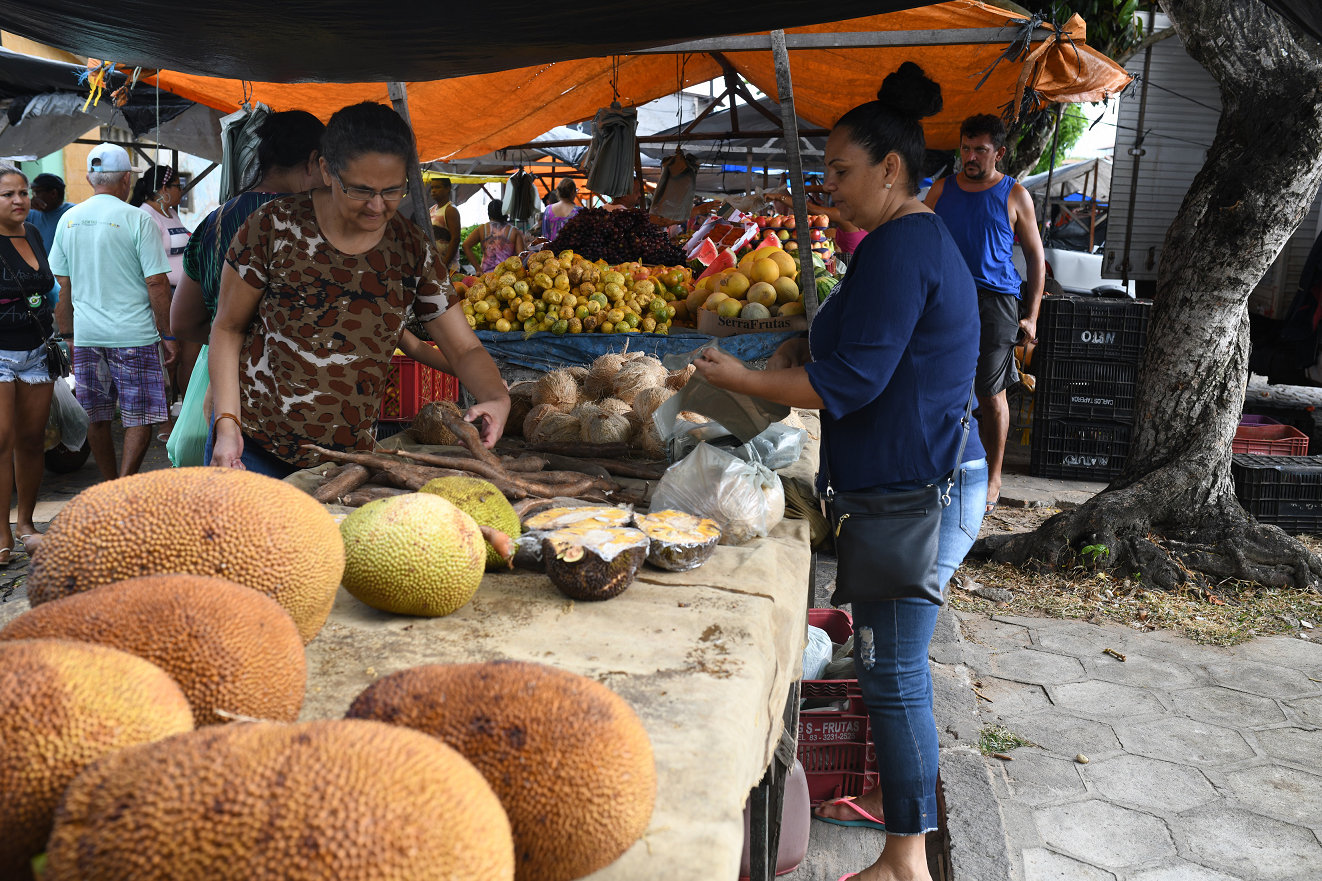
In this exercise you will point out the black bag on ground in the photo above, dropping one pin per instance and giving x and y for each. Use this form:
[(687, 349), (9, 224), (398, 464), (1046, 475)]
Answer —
[(887, 544)]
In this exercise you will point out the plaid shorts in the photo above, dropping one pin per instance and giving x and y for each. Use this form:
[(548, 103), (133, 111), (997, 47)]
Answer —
[(130, 377)]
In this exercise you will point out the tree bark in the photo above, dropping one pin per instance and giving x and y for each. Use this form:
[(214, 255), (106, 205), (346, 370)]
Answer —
[(1029, 138), (1172, 516)]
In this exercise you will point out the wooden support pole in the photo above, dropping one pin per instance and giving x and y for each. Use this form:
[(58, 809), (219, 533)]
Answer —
[(748, 166), (790, 122), (399, 97), (1051, 171), (1092, 215)]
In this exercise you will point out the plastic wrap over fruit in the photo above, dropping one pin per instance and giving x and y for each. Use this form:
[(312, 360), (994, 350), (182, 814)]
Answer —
[(744, 498)]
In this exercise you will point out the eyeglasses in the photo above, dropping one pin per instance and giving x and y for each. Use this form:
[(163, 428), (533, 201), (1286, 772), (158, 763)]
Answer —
[(365, 194)]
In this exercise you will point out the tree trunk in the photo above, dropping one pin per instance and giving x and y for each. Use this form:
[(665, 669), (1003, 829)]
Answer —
[(1172, 516), (1029, 138)]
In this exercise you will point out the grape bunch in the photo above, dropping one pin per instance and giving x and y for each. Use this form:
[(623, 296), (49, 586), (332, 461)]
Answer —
[(617, 237)]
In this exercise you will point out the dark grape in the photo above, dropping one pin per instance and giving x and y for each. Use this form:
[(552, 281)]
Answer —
[(617, 237)]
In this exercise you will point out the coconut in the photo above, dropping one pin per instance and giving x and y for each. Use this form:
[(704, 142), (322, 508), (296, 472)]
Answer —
[(600, 380), (615, 405), (428, 428), (637, 375), (602, 427), (648, 439), (646, 402), (520, 406), (556, 427), (558, 389), (535, 417), (695, 418), (579, 373), (679, 378)]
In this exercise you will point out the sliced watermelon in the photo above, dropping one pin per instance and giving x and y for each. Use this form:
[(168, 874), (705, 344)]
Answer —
[(725, 260), (771, 241), (706, 252)]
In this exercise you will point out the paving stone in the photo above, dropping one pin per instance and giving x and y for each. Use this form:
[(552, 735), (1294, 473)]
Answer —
[(1267, 680), (1064, 735), (1217, 704), (1149, 783), (1185, 741), (1080, 640), (1043, 865), (1293, 745), (1280, 791), (1104, 834), (1248, 845), (1105, 699), (1012, 698), (1309, 710), (1182, 871), (1038, 778), (1039, 668), (1284, 651), (1020, 830), (1147, 672)]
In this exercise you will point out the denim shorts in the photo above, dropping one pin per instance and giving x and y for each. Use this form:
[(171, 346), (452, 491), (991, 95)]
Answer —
[(29, 367)]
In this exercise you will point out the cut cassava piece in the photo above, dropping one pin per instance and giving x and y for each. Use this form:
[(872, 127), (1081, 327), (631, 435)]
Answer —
[(220, 522), (593, 562), (63, 705), (416, 554), (568, 758), (345, 481), (227, 646), (678, 541), (351, 800), (468, 435)]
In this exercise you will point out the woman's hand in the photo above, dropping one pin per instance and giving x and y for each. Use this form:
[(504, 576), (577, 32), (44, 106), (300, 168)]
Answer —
[(722, 369), (496, 412), (228, 449), (790, 354)]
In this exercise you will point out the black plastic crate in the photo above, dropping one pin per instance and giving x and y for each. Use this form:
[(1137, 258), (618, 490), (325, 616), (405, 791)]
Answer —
[(1095, 328), (1078, 450), (1093, 390), (1282, 490)]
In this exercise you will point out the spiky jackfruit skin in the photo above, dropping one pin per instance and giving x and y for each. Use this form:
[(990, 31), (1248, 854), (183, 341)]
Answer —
[(414, 554), (568, 758), (227, 646), (480, 500), (219, 522), (63, 705), (344, 799)]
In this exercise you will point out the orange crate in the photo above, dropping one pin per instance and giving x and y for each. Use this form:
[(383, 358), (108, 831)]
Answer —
[(409, 385), (1270, 440)]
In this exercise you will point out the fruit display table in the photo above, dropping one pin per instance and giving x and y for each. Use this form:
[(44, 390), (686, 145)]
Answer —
[(706, 658)]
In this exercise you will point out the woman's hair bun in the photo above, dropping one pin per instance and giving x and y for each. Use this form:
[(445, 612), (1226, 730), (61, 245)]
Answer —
[(909, 92)]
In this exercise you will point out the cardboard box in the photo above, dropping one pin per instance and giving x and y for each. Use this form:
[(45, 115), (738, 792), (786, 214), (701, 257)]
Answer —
[(714, 325)]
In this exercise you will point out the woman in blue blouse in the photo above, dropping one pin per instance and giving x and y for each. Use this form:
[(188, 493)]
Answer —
[(889, 363)]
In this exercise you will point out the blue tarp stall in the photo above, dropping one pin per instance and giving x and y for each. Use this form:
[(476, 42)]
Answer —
[(547, 351)]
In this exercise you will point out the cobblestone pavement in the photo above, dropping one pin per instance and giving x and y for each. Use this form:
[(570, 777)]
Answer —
[(1203, 763)]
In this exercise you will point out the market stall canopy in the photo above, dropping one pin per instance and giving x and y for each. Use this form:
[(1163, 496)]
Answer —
[(1076, 177), (474, 115)]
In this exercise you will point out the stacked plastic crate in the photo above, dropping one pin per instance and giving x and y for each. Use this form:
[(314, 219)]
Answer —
[(1086, 365)]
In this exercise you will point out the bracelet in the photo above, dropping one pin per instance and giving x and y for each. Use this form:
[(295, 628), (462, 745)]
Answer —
[(66, 336), (230, 416), (168, 339)]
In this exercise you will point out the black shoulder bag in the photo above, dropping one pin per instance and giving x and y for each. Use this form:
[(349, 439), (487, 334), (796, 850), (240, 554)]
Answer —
[(57, 363), (887, 544)]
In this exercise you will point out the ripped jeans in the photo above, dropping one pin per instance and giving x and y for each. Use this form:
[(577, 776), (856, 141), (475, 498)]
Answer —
[(890, 660)]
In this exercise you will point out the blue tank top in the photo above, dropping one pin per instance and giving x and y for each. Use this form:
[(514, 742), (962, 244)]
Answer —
[(980, 225)]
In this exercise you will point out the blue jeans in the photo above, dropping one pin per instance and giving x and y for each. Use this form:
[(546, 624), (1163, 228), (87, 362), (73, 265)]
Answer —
[(890, 660), (254, 458)]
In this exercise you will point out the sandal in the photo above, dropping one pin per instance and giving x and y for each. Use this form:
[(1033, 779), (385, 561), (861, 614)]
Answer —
[(991, 505), (846, 877), (6, 557), (868, 820)]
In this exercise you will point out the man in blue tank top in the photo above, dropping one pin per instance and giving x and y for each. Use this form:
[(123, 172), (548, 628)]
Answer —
[(985, 210)]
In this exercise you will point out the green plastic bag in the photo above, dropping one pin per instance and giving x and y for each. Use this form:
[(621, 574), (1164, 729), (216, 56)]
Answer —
[(188, 440)]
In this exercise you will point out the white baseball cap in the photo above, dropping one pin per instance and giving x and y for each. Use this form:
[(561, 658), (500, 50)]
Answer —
[(109, 157)]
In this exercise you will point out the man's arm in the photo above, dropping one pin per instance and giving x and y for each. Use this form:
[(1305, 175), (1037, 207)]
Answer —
[(64, 308), (934, 193), (452, 224), (1024, 218), (188, 312), (158, 292)]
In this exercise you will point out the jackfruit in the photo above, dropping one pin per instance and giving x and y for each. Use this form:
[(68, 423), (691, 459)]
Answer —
[(63, 705), (415, 554), (487, 505), (227, 646), (349, 800), (593, 563), (568, 758), (678, 541), (219, 522)]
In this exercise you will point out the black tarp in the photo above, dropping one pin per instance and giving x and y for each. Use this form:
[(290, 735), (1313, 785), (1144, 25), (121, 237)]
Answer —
[(350, 41), (1307, 14)]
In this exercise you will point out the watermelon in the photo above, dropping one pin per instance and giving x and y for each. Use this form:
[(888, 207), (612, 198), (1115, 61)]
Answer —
[(706, 252), (725, 260), (771, 241)]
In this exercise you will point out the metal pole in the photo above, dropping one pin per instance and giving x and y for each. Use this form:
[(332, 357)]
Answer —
[(399, 97), (1092, 219), (748, 165), (1137, 151), (788, 119), (1051, 171)]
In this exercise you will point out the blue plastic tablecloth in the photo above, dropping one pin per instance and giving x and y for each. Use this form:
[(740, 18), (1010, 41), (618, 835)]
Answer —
[(547, 351)]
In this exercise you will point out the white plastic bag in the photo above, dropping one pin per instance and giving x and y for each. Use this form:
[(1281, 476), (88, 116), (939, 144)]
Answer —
[(744, 498), (67, 423), (817, 653), (776, 447)]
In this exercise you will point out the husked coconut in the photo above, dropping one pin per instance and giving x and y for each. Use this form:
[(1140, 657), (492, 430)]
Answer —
[(520, 406), (637, 375), (600, 381), (648, 439), (579, 373), (429, 428), (557, 388), (534, 418), (556, 427), (602, 427), (680, 378), (647, 401)]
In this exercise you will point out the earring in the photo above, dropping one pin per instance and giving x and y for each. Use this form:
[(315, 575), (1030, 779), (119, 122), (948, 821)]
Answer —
[(888, 186)]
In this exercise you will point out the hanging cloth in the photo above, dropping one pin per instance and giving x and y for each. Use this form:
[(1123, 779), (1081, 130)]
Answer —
[(520, 201), (610, 158), (674, 194), (238, 141)]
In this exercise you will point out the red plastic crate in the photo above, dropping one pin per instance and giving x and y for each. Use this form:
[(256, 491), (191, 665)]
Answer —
[(1270, 440), (827, 785), (835, 746), (409, 385)]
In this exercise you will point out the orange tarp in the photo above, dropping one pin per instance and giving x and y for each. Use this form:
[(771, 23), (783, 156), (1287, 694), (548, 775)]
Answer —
[(474, 115)]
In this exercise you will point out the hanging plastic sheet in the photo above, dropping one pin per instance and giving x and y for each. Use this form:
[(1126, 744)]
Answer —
[(520, 201), (238, 138), (610, 158), (674, 194)]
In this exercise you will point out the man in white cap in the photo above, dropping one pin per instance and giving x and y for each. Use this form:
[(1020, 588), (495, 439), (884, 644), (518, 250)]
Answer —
[(111, 265)]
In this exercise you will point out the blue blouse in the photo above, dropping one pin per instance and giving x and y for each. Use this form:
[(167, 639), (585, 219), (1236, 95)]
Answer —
[(894, 350)]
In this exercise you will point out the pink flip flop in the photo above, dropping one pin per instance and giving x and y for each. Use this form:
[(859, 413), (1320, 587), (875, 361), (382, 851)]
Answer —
[(869, 821), (847, 877)]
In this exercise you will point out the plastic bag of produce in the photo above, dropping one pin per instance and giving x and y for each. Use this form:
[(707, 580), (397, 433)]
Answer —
[(744, 498), (776, 447), (742, 416), (817, 653), (67, 423)]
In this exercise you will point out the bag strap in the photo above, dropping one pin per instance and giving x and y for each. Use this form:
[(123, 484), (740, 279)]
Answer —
[(967, 423), (33, 312)]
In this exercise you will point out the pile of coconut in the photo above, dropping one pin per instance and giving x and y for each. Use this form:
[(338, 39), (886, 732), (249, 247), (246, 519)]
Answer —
[(611, 402)]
